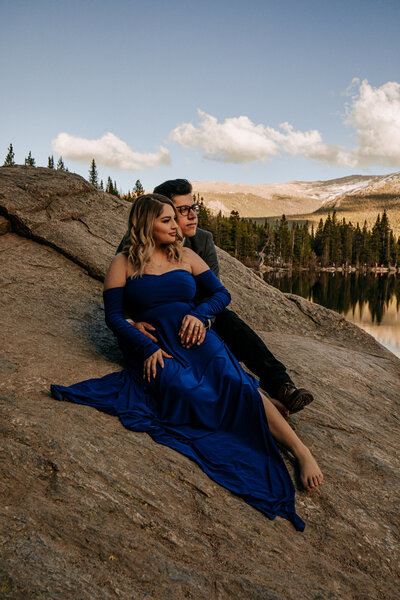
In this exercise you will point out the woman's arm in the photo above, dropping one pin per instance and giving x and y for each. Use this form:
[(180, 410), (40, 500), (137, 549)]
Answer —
[(113, 296), (218, 299)]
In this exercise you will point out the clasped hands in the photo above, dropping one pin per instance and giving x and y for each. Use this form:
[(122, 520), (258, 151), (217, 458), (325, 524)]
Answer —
[(192, 332)]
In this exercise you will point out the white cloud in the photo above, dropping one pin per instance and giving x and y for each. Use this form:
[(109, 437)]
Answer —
[(109, 151), (310, 145), (235, 140), (373, 112), (239, 140)]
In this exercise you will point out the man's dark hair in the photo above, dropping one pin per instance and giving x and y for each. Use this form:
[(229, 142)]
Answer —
[(174, 187)]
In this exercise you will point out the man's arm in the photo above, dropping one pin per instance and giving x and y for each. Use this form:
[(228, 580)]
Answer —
[(209, 254)]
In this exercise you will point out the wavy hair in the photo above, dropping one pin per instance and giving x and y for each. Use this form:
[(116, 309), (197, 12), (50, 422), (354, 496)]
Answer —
[(139, 242)]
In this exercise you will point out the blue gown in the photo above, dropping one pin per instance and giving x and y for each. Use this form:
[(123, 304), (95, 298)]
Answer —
[(202, 403)]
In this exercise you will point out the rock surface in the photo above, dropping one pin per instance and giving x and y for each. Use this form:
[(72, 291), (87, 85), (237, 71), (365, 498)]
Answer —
[(90, 510)]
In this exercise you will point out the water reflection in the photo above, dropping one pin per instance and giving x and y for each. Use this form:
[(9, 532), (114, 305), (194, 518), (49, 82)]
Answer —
[(371, 301)]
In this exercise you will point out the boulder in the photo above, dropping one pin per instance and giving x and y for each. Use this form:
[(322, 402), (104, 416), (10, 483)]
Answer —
[(92, 510)]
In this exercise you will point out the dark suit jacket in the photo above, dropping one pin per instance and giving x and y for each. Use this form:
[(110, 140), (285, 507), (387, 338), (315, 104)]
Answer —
[(203, 244)]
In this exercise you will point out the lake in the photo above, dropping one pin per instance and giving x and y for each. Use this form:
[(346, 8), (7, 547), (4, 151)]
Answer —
[(371, 301)]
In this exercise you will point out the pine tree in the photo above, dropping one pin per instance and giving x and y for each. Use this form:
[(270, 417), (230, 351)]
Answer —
[(327, 238), (50, 162), (10, 158), (269, 243), (318, 241), (138, 189), (93, 177), (60, 164), (335, 256), (204, 214), (346, 235), (284, 240), (365, 244), (375, 241), (236, 233), (30, 161), (101, 185), (384, 255), (357, 246), (393, 256), (109, 186)]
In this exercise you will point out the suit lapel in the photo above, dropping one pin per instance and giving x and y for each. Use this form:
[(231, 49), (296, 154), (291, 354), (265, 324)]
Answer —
[(190, 242)]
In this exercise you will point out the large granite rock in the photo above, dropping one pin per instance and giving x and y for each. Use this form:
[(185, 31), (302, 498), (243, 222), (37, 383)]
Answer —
[(90, 510)]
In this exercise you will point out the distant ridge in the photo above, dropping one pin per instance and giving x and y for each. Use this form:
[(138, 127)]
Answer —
[(295, 197), (384, 187), (356, 197)]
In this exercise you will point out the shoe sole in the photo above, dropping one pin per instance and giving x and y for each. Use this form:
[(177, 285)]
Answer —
[(297, 404)]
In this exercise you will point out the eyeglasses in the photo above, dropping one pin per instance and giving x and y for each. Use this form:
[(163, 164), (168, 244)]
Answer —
[(186, 208)]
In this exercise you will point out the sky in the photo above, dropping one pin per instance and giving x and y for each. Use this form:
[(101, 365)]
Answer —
[(243, 92)]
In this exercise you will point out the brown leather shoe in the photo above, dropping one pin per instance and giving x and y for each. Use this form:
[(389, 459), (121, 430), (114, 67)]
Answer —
[(294, 398)]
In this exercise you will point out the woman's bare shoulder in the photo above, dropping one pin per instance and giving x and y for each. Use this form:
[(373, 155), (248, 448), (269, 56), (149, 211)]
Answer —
[(118, 272), (197, 264)]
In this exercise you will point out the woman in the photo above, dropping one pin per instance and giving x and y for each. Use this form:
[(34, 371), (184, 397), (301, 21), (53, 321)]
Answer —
[(186, 389)]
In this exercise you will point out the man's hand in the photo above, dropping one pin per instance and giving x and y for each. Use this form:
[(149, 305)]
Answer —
[(150, 364), (145, 328), (192, 331)]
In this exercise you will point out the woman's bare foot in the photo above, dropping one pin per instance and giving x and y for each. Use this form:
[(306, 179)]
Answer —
[(281, 407), (310, 474)]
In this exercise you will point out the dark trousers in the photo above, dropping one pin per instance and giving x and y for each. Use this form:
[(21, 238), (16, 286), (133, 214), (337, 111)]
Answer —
[(249, 349)]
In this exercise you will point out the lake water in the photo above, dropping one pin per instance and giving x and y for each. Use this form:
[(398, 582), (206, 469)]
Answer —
[(370, 301)]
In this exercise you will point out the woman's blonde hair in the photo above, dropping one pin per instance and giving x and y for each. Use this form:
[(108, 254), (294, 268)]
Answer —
[(139, 242)]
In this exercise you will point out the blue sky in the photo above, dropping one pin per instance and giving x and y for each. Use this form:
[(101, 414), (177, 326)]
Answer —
[(142, 71)]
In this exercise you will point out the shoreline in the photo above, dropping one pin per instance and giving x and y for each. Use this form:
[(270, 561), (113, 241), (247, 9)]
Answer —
[(343, 269)]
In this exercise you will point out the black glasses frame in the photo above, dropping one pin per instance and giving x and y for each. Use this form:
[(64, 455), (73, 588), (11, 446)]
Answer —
[(186, 208)]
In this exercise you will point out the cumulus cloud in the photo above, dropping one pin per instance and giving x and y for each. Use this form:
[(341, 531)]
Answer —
[(374, 113), (309, 144), (109, 151), (235, 140), (239, 140)]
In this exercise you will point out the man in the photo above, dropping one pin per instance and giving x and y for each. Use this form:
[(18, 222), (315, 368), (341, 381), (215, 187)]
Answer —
[(242, 341)]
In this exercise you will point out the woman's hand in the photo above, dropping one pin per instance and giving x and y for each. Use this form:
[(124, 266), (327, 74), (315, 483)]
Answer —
[(192, 331), (145, 328), (150, 364)]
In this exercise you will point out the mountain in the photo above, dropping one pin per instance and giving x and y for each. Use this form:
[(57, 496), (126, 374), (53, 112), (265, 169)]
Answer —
[(265, 200), (357, 198), (363, 203), (379, 192)]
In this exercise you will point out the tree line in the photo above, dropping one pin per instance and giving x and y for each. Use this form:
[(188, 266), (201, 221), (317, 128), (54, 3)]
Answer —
[(333, 243), (31, 162), (110, 187)]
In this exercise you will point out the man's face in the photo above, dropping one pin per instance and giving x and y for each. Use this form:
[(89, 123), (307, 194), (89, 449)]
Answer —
[(188, 223)]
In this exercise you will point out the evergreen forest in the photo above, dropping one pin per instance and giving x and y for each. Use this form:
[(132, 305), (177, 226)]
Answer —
[(334, 243)]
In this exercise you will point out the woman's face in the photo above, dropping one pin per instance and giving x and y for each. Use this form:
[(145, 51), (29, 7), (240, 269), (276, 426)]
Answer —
[(165, 227)]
